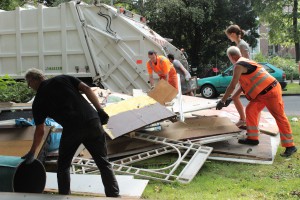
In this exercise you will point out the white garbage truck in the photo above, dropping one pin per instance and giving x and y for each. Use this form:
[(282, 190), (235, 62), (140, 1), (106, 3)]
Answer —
[(102, 43)]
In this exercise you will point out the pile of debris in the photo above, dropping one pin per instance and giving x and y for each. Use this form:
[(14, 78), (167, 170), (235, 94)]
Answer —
[(141, 127)]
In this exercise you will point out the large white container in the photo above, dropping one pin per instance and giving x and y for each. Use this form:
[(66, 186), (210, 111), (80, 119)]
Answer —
[(80, 40)]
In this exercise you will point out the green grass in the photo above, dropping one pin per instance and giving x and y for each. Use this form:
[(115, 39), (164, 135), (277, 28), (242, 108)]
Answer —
[(292, 88), (228, 180)]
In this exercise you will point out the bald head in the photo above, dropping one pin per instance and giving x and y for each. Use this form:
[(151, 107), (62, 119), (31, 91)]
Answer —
[(234, 54)]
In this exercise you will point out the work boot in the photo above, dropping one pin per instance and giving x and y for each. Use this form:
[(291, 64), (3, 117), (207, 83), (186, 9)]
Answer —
[(248, 141), (289, 151)]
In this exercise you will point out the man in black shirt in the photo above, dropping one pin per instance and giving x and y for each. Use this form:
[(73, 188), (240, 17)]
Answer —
[(60, 99)]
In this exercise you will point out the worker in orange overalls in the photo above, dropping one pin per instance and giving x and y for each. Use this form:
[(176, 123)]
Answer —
[(163, 67), (262, 90)]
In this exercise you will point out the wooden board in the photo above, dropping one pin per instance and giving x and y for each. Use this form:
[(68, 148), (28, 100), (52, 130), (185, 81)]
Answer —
[(231, 148), (196, 127), (17, 141), (131, 120), (163, 92)]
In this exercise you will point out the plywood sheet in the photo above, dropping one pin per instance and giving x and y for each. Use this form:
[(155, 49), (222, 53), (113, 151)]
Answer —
[(163, 92), (267, 123), (196, 127), (17, 141), (131, 120), (231, 148)]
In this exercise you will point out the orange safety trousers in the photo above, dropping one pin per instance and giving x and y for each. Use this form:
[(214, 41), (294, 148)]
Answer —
[(273, 101)]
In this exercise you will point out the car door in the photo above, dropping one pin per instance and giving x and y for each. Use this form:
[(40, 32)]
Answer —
[(226, 78)]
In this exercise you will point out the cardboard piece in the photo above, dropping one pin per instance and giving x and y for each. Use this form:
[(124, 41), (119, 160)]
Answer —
[(163, 92)]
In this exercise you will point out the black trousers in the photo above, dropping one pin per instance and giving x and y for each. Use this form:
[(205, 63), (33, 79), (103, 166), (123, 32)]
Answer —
[(93, 138)]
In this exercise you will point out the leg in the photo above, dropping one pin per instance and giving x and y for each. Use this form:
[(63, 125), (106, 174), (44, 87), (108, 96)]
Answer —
[(67, 148), (253, 110), (276, 108), (95, 143), (239, 106)]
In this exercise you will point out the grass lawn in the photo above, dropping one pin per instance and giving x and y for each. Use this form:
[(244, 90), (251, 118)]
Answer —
[(292, 88), (229, 180)]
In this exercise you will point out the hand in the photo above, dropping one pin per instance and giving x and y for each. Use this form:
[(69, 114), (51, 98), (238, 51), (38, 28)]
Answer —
[(103, 116), (220, 105), (228, 101), (28, 158)]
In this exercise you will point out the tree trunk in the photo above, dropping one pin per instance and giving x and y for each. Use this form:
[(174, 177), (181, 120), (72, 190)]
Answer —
[(296, 32)]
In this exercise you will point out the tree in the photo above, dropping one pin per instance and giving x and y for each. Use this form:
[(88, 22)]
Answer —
[(199, 25), (10, 4), (282, 18)]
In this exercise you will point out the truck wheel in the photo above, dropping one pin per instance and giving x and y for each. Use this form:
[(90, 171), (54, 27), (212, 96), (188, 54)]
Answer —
[(208, 91)]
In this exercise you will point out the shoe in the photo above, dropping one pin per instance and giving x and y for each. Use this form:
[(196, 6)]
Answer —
[(248, 141), (240, 123), (289, 151)]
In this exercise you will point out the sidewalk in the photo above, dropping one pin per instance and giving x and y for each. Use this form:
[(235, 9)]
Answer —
[(294, 81)]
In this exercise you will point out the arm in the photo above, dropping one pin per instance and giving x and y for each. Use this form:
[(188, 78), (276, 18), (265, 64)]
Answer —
[(186, 73), (237, 72), (151, 80), (38, 135), (90, 95)]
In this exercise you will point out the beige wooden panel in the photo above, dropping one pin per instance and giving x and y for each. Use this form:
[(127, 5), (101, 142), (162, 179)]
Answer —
[(163, 92), (197, 127), (17, 141)]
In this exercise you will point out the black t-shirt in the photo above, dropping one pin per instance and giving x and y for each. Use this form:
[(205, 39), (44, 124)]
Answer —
[(60, 99)]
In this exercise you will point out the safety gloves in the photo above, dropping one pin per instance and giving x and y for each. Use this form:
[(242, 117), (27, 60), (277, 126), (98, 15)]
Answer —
[(28, 158), (221, 104), (103, 116)]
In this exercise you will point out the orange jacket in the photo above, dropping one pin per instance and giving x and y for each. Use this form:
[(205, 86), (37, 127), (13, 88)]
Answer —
[(255, 82), (163, 67)]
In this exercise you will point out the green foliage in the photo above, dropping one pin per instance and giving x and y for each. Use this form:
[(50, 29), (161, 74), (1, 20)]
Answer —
[(260, 58), (198, 26), (14, 91), (10, 4), (287, 65)]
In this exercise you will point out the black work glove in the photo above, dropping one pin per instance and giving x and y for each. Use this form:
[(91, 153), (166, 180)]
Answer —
[(103, 116), (220, 105), (228, 101), (28, 158)]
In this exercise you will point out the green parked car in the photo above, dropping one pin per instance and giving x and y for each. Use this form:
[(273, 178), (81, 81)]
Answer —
[(212, 87)]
